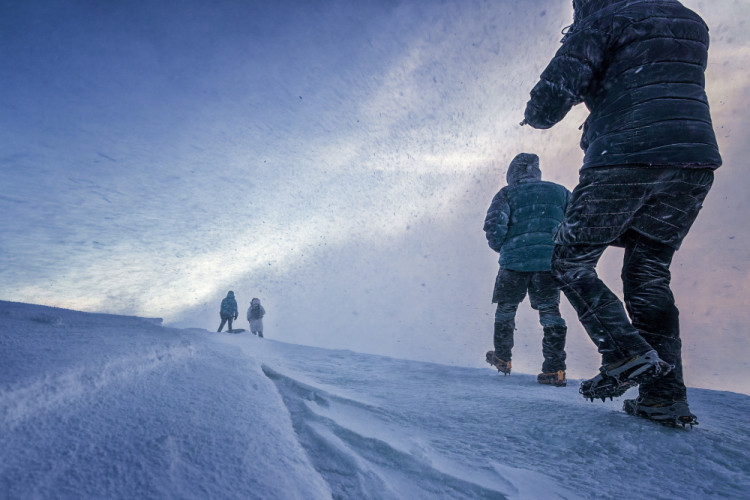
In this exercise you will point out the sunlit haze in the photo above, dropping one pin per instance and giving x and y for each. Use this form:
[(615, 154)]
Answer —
[(333, 158)]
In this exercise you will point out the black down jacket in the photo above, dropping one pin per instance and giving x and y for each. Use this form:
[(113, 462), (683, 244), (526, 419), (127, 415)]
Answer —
[(639, 67)]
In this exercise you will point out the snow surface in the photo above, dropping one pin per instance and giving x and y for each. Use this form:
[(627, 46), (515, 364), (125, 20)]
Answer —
[(104, 406)]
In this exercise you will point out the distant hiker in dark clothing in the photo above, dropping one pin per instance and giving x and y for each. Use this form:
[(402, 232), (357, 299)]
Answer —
[(255, 315), (650, 153), (520, 225), (228, 311)]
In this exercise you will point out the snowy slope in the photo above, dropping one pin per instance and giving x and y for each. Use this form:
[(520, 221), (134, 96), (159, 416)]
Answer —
[(102, 406)]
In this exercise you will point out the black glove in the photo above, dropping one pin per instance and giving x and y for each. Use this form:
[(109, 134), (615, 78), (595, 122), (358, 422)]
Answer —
[(235, 316)]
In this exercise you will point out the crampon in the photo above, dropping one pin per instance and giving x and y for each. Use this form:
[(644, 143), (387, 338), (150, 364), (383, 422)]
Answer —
[(502, 366), (669, 413), (615, 379)]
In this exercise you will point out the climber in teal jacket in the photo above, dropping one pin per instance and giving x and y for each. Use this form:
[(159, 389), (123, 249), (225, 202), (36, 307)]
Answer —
[(228, 310), (521, 224)]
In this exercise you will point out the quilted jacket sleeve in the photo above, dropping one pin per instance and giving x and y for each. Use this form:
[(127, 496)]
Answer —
[(567, 79), (496, 221)]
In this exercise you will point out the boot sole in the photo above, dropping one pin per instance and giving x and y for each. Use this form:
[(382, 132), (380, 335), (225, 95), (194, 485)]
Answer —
[(556, 384), (504, 370), (671, 420)]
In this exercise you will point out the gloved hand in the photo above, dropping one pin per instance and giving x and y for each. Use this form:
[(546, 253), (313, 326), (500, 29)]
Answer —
[(235, 316)]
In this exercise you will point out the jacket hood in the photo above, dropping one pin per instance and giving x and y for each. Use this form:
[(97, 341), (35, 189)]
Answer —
[(230, 295), (524, 168)]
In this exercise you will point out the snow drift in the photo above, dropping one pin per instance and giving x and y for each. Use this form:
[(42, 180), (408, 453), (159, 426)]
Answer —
[(95, 406)]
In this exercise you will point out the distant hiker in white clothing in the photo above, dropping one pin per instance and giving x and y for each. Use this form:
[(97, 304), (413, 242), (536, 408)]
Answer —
[(255, 315)]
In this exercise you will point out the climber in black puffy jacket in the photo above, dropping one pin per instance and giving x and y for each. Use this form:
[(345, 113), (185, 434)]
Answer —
[(650, 154)]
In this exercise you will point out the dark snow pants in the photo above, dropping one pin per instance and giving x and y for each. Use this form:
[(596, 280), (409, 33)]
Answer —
[(544, 295), (224, 319), (654, 321), (648, 212)]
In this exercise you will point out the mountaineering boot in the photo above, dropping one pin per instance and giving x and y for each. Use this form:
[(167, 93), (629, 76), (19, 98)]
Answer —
[(666, 412), (502, 366), (555, 378), (616, 378)]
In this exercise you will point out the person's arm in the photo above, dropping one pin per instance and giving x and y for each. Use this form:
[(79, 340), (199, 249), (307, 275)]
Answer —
[(567, 79), (496, 221)]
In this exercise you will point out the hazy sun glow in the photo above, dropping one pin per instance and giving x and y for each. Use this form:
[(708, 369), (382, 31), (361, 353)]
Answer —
[(334, 158)]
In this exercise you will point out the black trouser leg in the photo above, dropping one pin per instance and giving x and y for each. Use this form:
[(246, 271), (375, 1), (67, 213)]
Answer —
[(223, 322), (503, 340), (601, 313), (553, 348), (650, 303), (544, 296), (510, 290)]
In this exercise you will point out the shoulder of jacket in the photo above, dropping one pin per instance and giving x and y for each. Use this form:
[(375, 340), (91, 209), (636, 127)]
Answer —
[(501, 196), (560, 187)]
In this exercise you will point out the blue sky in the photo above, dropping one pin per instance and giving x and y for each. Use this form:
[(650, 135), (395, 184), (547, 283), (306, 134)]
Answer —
[(333, 158)]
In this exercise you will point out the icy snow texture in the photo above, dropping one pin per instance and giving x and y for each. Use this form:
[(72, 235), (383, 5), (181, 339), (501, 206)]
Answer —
[(103, 406)]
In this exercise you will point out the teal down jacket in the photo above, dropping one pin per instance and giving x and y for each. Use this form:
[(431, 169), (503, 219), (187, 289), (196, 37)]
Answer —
[(524, 216), (229, 305)]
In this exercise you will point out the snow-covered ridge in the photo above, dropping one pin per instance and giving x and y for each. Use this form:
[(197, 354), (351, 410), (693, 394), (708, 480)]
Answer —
[(102, 406)]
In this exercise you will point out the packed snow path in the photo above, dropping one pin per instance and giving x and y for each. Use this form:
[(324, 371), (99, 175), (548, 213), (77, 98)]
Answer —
[(95, 406)]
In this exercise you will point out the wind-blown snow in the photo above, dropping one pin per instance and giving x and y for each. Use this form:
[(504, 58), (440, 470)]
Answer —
[(103, 406), (334, 158)]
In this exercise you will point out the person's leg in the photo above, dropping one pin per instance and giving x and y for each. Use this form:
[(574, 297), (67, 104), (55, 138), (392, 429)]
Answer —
[(223, 321), (650, 303), (601, 313), (544, 295), (510, 290), (665, 217), (229, 320)]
